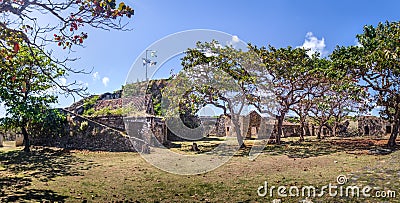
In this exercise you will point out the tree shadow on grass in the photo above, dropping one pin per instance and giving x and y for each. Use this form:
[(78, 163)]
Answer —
[(317, 148), (306, 149), (31, 195), (43, 164)]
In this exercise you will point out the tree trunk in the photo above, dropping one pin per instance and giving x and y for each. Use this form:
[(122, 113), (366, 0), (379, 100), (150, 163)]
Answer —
[(302, 132), (279, 131), (334, 129), (238, 133), (393, 136), (319, 132), (27, 143)]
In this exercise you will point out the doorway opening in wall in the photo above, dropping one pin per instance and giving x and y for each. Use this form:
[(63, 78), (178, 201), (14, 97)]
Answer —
[(388, 129), (366, 130)]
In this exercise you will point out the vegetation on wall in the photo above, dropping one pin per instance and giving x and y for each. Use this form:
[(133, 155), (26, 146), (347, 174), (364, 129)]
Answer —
[(88, 105)]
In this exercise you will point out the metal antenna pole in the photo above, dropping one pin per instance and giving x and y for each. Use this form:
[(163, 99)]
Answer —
[(147, 79)]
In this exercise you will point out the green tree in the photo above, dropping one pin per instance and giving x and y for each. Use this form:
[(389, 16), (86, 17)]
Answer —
[(375, 65), (26, 85), (29, 69), (336, 100), (314, 80), (290, 72), (214, 75)]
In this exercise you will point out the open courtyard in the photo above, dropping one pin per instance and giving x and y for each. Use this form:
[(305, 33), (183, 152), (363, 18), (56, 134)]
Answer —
[(58, 175)]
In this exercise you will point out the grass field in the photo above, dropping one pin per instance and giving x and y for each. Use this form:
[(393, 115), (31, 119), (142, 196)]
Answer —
[(57, 175)]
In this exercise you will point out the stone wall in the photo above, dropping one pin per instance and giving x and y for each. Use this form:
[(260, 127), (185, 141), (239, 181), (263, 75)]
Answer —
[(256, 126), (9, 135), (220, 129), (159, 129), (90, 135), (116, 122), (209, 124), (373, 126), (291, 130), (149, 128)]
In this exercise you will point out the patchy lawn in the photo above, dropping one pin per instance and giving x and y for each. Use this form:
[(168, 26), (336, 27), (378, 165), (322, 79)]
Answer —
[(57, 175)]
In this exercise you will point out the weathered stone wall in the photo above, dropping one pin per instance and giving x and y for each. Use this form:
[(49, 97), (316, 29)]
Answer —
[(9, 135), (254, 124), (220, 130), (373, 126), (116, 122), (150, 129), (209, 125), (159, 130), (90, 135), (291, 130)]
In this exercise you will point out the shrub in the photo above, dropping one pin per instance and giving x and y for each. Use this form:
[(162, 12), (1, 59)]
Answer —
[(89, 112), (52, 124), (84, 126), (88, 105)]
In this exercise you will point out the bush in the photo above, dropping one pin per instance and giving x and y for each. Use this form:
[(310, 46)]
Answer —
[(108, 111), (84, 126), (52, 124), (88, 105), (89, 112)]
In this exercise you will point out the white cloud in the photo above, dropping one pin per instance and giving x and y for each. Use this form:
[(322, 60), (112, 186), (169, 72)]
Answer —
[(314, 44), (358, 44), (105, 81), (208, 53), (63, 81), (96, 76), (235, 39)]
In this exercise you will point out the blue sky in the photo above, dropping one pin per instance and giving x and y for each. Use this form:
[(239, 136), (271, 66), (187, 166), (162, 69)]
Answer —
[(280, 23)]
